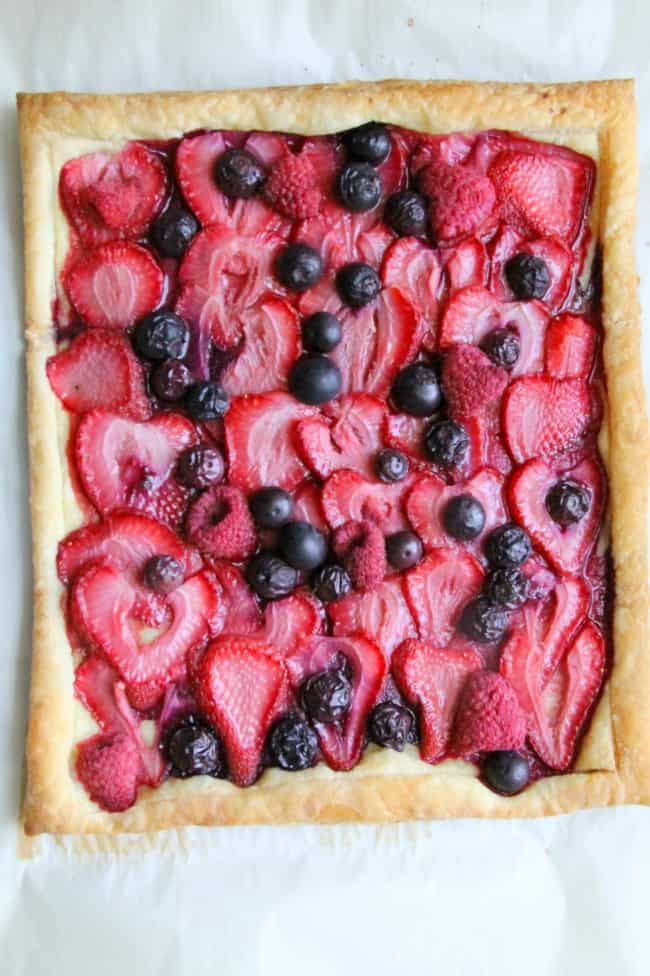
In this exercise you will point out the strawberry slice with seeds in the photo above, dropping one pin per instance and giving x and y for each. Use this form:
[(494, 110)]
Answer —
[(556, 707), (242, 613), (125, 540), (430, 496), (432, 678), (348, 497), (261, 441), (347, 434), (570, 347), (543, 194), (114, 285), (104, 606), (565, 548), (270, 344), (366, 666), (553, 622), (223, 274), (289, 622), (472, 313), (382, 615), (126, 464), (462, 200), (107, 196), (414, 268), (555, 255), (547, 418), (466, 265), (307, 505), (438, 588), (239, 686), (340, 237), (99, 370), (406, 433)]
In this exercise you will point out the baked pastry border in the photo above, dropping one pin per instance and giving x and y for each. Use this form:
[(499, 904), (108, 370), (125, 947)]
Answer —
[(378, 789)]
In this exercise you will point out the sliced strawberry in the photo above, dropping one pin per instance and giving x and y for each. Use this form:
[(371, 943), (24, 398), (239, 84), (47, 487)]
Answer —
[(466, 264), (260, 439), (430, 496), (555, 255), (450, 149), (546, 418), (543, 194), (221, 276), (347, 434), (126, 464), (108, 196), (270, 344), (97, 686), (570, 347), (103, 608), (99, 370), (552, 622), (556, 707), (471, 382), (289, 622), (307, 505), (381, 614), (488, 716), (486, 447), (219, 522), (114, 285), (242, 614), (406, 433), (341, 747), (414, 268), (462, 200), (196, 157), (125, 540), (438, 588), (239, 685), (432, 678), (565, 548), (340, 237), (472, 313), (347, 497)]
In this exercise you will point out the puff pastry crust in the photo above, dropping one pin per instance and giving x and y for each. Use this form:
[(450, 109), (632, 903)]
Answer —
[(613, 765)]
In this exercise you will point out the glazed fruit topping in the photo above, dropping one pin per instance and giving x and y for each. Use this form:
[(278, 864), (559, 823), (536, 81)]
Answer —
[(169, 380), (446, 443), (292, 744), (206, 400), (161, 335), (527, 276), (392, 726), (502, 347), (331, 582), (507, 587), (326, 696), (391, 465), (162, 574), (357, 284), (483, 621), (271, 577), (193, 749), (239, 174), (359, 187), (567, 502), (200, 467), (508, 545), (173, 231)]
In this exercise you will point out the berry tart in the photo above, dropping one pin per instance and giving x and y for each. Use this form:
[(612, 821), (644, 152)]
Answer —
[(339, 455)]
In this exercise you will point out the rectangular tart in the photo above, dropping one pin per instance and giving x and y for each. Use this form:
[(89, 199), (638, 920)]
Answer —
[(442, 611)]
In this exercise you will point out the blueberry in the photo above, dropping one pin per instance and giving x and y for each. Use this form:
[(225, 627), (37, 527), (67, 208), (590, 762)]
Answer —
[(315, 379), (508, 545), (162, 574), (271, 577), (206, 400), (506, 586), (292, 744), (200, 466), (331, 582), (173, 230), (357, 284), (484, 622), (359, 187), (193, 749), (505, 771), (302, 545), (326, 696), (446, 443), (527, 276), (502, 347), (391, 465), (271, 507), (299, 266), (161, 335), (170, 379), (568, 502), (369, 142), (238, 173), (463, 517), (416, 390), (406, 213), (391, 725), (403, 549), (321, 332)]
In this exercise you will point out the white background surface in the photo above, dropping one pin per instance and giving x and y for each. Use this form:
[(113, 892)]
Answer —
[(568, 895)]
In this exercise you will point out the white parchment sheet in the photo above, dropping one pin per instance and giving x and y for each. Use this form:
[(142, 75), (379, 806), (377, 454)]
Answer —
[(541, 898)]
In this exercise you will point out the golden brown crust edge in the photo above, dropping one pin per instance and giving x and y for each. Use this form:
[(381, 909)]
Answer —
[(55, 802)]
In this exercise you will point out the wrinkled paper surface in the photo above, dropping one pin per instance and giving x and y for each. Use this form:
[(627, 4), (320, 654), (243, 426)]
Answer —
[(567, 895)]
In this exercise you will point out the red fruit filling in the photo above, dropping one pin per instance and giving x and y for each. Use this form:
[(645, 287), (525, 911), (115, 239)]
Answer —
[(236, 645)]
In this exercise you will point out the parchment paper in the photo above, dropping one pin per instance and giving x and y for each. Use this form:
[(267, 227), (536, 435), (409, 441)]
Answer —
[(568, 895)]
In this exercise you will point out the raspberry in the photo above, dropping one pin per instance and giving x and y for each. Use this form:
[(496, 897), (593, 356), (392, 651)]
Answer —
[(219, 522), (470, 381), (462, 199), (292, 189), (108, 766), (361, 548), (488, 717)]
